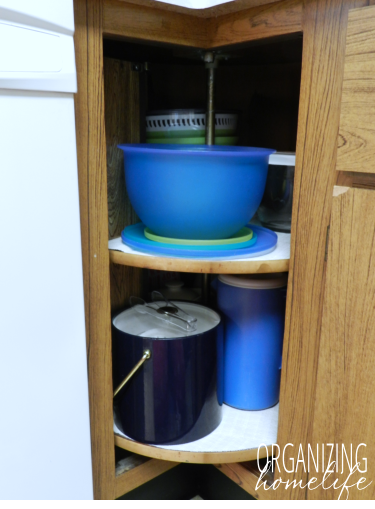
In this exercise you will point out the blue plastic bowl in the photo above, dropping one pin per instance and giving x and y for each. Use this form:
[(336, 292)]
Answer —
[(195, 191)]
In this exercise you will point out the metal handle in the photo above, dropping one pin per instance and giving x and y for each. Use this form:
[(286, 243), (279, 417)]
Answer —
[(166, 311), (146, 355)]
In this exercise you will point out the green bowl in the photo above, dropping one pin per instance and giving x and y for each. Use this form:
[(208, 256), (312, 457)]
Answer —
[(243, 235), (201, 140)]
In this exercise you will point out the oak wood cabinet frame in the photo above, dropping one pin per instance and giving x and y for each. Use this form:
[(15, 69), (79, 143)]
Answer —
[(323, 24)]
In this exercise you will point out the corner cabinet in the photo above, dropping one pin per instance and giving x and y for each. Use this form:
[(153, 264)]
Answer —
[(327, 382)]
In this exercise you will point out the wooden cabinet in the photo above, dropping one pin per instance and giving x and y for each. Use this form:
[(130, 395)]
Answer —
[(344, 414), (326, 375)]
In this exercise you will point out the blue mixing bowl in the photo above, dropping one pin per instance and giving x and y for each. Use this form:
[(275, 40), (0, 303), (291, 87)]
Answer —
[(195, 191)]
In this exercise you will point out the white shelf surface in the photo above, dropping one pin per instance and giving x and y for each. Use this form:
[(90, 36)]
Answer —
[(238, 431)]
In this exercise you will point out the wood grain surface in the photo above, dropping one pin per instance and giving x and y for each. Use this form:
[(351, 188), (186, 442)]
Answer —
[(357, 123), (91, 146), (122, 125), (152, 24), (269, 20), (136, 21), (356, 179), (344, 404), (324, 26), (141, 474)]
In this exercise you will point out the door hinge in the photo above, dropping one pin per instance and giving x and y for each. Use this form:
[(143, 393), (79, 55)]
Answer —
[(327, 239)]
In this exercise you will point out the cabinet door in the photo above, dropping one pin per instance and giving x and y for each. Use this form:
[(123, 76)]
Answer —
[(356, 150), (344, 416), (345, 405)]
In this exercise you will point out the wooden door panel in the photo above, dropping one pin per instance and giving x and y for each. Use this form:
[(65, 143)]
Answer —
[(344, 406), (356, 151), (324, 26)]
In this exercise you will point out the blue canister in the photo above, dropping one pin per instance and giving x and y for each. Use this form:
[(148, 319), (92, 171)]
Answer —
[(254, 315)]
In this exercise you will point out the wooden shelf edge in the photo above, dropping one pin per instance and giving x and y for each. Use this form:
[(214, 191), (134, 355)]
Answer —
[(199, 266), (189, 457), (141, 474)]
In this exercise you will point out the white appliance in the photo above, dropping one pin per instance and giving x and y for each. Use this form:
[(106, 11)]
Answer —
[(45, 450)]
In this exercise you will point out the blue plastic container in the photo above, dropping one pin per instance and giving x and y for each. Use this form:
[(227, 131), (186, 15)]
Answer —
[(195, 191), (254, 314)]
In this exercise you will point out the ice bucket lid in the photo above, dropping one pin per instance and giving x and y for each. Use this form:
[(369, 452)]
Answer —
[(132, 322)]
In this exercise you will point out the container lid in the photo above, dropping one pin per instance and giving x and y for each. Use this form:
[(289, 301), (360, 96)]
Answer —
[(243, 235), (195, 150), (283, 159), (132, 322), (256, 281)]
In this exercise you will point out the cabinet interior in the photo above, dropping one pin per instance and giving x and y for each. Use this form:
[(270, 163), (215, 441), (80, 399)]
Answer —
[(261, 80)]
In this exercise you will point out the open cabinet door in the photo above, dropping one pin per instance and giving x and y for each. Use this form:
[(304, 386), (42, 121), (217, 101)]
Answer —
[(344, 416)]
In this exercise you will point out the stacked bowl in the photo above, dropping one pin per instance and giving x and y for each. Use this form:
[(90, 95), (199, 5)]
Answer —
[(196, 200), (189, 127)]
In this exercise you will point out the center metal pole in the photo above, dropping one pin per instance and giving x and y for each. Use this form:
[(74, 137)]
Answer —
[(211, 60), (211, 64), (210, 115)]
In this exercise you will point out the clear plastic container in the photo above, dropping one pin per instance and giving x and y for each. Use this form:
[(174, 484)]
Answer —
[(275, 210)]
